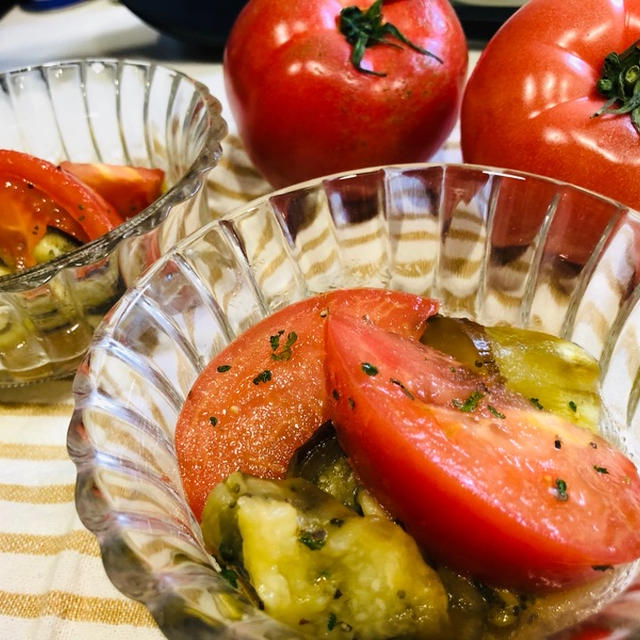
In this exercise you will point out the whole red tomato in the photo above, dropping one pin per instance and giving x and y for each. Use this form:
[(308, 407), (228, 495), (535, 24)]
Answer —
[(304, 110), (531, 99)]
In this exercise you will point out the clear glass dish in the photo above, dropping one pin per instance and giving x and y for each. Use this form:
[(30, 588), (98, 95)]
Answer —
[(112, 111), (500, 247)]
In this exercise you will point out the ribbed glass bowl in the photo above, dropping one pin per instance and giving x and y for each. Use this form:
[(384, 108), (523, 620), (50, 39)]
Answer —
[(117, 112), (495, 246)]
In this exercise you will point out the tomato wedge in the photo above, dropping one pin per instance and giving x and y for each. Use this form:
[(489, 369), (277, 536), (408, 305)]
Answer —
[(26, 214), (487, 483), (35, 194), (264, 395), (128, 189)]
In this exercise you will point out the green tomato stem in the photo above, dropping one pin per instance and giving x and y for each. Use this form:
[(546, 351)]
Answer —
[(619, 82), (363, 29)]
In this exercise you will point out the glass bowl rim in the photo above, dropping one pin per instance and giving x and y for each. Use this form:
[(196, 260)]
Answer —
[(240, 209)]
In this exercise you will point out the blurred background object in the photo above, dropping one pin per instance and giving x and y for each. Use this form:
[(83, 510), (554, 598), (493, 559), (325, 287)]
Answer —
[(5, 5), (482, 18), (42, 5), (204, 23)]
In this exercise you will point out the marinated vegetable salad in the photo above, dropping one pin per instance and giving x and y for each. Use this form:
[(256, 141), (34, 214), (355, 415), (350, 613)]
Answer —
[(48, 210), (365, 468)]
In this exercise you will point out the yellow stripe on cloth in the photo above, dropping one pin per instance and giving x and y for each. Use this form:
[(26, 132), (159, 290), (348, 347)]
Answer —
[(50, 494), (70, 606), (80, 541), (33, 452)]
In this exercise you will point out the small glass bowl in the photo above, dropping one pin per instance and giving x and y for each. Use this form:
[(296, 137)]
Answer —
[(117, 112), (500, 247)]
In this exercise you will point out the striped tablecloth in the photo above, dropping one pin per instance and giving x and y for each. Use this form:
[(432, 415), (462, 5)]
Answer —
[(52, 583)]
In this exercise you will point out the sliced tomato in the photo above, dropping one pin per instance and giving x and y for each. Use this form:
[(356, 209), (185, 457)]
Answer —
[(61, 199), (264, 395), (487, 483), (26, 214), (128, 189)]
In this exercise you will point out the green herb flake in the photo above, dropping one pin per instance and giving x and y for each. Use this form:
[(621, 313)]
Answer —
[(470, 403), (494, 412), (335, 394), (573, 406), (561, 489), (536, 403), (314, 540), (223, 368), (402, 387), (336, 522), (600, 469), (369, 369), (230, 576), (282, 356), (213, 420), (285, 352), (274, 341), (557, 443), (352, 404), (263, 376), (332, 621)]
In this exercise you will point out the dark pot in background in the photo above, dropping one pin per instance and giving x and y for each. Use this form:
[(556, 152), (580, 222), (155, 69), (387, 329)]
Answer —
[(206, 23), (203, 23)]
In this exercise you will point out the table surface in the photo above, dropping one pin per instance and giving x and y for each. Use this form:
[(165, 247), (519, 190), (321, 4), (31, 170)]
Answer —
[(52, 582)]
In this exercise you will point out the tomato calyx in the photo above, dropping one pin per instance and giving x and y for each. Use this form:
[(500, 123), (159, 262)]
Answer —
[(363, 29), (620, 82)]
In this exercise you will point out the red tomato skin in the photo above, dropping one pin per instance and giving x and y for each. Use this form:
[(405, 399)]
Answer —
[(529, 101), (260, 425), (477, 491), (591, 632), (128, 189), (85, 206), (304, 111)]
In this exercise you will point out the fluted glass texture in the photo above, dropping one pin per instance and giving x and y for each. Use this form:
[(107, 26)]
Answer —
[(112, 111)]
